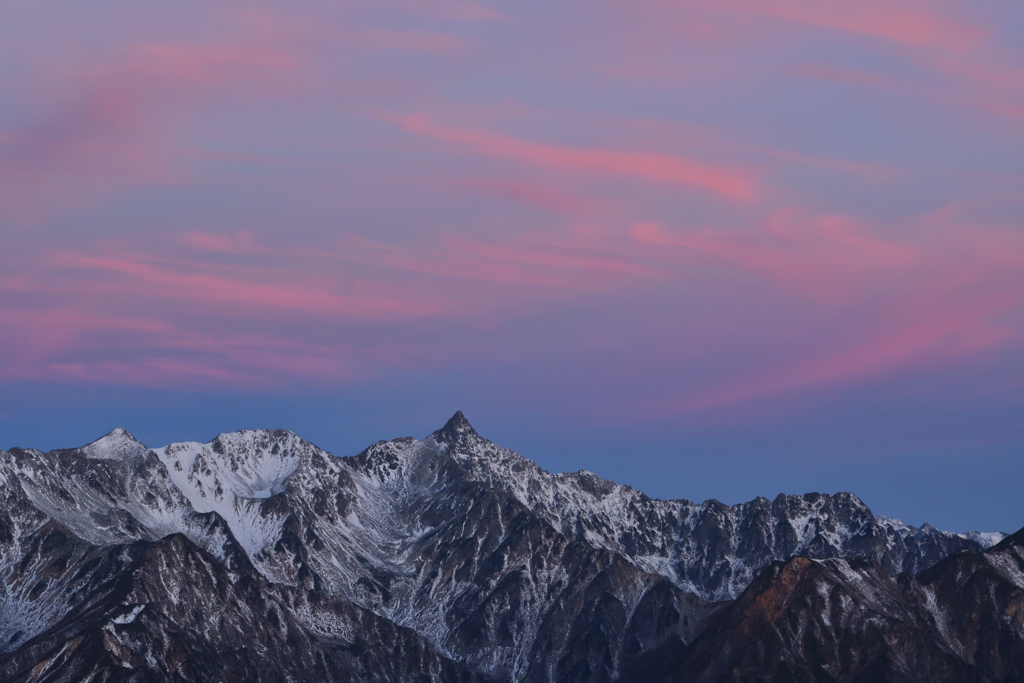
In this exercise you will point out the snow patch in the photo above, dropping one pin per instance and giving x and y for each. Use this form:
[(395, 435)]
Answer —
[(117, 445), (129, 616)]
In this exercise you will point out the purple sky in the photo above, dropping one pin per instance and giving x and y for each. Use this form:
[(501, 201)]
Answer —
[(710, 249)]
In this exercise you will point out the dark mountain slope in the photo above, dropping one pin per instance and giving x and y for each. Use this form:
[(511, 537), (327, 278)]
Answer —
[(168, 610), (848, 620), (261, 557)]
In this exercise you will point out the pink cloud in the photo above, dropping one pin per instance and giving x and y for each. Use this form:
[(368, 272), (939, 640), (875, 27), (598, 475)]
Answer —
[(717, 141), (96, 137), (955, 296), (412, 41), (118, 108), (863, 169), (210, 64), (240, 243), (260, 364), (945, 332), (120, 316), (454, 10), (129, 318), (367, 27), (732, 183), (82, 343), (248, 288), (946, 40), (915, 23), (952, 46), (989, 82), (163, 373), (555, 257), (276, 92), (534, 194), (39, 333), (116, 127), (843, 75), (824, 257), (560, 266)]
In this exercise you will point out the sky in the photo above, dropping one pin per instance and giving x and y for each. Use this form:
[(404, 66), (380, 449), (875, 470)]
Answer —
[(708, 249)]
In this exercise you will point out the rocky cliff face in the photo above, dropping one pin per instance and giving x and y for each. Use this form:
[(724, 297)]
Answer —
[(261, 557), (839, 619)]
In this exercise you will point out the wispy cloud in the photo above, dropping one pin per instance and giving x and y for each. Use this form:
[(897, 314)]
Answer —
[(916, 24), (729, 182), (116, 126), (909, 339), (823, 193), (815, 256), (199, 283)]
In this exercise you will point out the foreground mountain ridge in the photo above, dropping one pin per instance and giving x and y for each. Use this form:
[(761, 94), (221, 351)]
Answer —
[(467, 554)]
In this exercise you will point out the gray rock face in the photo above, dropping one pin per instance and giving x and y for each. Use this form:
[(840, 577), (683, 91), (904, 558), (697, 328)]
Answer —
[(837, 619), (261, 557)]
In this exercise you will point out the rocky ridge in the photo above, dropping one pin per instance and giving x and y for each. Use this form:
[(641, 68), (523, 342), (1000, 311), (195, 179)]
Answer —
[(469, 558)]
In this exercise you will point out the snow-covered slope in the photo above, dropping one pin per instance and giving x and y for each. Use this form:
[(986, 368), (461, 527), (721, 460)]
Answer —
[(117, 445), (494, 562), (235, 475), (708, 548)]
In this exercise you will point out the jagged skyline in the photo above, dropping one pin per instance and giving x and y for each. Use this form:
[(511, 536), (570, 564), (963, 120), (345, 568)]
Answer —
[(450, 558), (711, 249)]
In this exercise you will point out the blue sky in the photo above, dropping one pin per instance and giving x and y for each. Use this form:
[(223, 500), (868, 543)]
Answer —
[(709, 249)]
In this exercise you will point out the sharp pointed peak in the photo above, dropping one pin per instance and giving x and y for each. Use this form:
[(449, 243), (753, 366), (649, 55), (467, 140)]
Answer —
[(119, 434), (458, 420), (117, 445), (454, 430)]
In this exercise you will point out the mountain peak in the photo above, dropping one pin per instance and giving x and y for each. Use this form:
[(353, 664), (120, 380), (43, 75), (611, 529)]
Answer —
[(455, 430), (1014, 539), (458, 420), (117, 445), (262, 522)]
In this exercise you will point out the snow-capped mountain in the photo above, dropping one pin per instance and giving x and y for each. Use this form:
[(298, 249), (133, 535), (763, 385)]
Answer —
[(117, 561)]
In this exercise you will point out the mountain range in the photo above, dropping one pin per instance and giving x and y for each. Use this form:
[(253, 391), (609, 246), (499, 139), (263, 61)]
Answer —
[(260, 557)]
